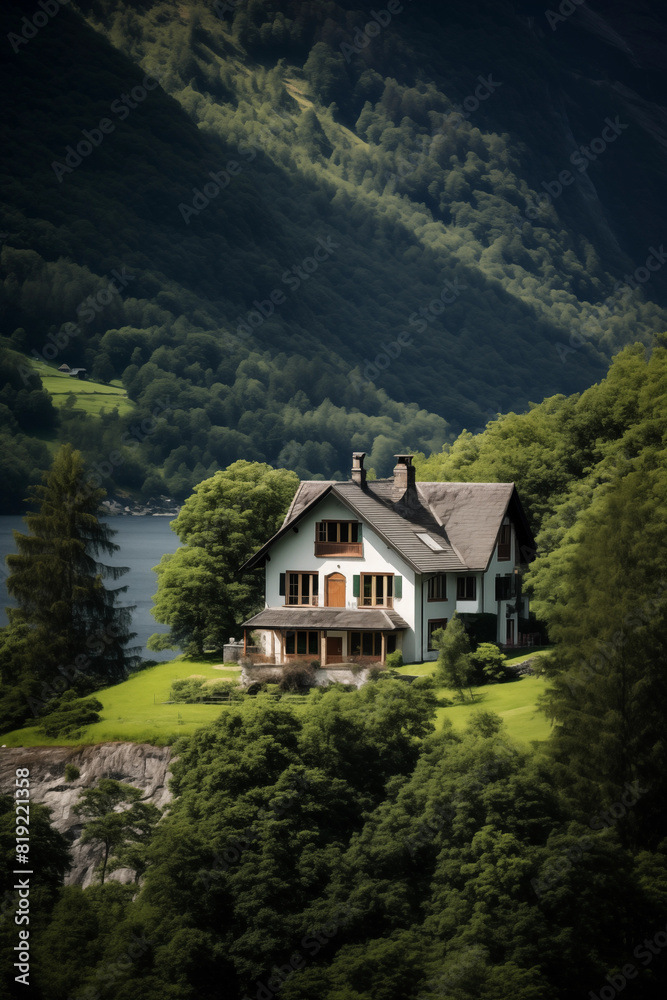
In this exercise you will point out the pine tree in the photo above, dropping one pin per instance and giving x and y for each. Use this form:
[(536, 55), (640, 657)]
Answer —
[(67, 630)]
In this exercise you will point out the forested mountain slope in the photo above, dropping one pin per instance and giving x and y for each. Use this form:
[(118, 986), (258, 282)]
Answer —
[(323, 234)]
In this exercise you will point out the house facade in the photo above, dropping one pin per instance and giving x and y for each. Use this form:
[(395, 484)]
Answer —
[(362, 568)]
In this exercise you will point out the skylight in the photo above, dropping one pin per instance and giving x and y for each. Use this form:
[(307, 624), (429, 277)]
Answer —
[(431, 542)]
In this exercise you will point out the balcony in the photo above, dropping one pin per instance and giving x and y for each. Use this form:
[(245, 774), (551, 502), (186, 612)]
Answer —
[(338, 549)]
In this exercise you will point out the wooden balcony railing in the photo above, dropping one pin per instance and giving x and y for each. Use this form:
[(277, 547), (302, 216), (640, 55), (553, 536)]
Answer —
[(338, 549)]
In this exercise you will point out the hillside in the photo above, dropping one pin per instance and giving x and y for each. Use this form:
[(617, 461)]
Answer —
[(303, 234)]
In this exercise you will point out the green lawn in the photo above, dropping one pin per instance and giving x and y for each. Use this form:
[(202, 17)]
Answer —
[(134, 711), (514, 702)]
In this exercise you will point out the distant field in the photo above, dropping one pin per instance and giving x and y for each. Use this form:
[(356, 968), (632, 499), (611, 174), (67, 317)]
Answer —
[(134, 711), (90, 397)]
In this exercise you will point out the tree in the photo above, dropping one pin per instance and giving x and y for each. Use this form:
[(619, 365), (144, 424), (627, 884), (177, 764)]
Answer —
[(124, 833), (454, 666), (227, 518), (67, 629)]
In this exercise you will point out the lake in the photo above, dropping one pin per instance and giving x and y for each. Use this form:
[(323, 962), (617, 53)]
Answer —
[(143, 540)]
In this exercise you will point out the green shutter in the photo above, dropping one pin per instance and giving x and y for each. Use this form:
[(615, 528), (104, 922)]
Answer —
[(281, 589), (398, 587), (355, 586)]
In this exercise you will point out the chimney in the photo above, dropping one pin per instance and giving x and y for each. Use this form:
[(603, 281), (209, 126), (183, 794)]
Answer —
[(404, 478), (358, 471)]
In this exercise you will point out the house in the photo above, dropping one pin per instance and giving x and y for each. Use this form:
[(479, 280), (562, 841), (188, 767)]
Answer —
[(77, 373), (362, 568), (65, 368)]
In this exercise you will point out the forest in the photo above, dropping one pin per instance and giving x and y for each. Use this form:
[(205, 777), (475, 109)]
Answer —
[(350, 849), (459, 282)]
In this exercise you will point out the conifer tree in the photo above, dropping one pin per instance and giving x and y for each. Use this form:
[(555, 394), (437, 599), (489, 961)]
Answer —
[(67, 630)]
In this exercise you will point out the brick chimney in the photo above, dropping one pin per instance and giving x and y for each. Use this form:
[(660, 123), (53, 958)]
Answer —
[(358, 471), (404, 478)]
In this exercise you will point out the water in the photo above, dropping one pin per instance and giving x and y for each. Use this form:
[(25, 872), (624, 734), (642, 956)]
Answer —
[(143, 540)]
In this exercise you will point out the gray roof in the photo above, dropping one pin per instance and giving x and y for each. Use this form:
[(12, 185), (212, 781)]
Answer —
[(435, 527), (375, 619)]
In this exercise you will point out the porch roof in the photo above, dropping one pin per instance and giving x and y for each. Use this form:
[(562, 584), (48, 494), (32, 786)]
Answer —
[(346, 619)]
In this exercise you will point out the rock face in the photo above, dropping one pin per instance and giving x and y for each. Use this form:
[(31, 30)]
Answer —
[(138, 764)]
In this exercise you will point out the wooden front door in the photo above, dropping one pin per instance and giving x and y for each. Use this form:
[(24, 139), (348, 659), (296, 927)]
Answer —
[(335, 596), (334, 650)]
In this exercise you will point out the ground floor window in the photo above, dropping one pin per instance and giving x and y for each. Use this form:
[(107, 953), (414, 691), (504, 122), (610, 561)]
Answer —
[(433, 625), (370, 644), (301, 643)]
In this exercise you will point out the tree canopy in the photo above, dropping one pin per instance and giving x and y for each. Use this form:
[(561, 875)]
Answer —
[(228, 517)]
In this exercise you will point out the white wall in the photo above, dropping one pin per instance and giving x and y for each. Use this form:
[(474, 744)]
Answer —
[(295, 552)]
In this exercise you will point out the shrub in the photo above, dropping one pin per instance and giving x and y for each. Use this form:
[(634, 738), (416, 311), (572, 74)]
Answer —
[(394, 660), (72, 772), (191, 690), (489, 664), (297, 677), (68, 715)]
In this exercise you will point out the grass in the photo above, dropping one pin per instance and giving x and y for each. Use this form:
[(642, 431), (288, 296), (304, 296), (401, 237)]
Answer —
[(89, 397), (515, 702), (135, 711)]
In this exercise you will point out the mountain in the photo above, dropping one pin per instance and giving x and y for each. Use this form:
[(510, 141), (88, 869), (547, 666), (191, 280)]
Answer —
[(298, 228)]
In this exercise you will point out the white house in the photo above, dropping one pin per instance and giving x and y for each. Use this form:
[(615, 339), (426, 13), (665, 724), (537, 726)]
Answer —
[(362, 568)]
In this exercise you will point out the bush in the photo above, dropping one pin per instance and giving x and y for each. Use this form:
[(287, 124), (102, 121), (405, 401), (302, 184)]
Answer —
[(489, 664), (394, 660), (191, 690), (297, 677), (72, 772), (68, 715)]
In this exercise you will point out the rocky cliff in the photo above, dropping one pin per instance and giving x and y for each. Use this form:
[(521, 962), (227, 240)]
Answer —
[(137, 764)]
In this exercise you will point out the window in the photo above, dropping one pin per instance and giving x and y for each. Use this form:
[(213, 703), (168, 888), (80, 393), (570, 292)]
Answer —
[(466, 588), (366, 643), (302, 643), (433, 625), (302, 588), (338, 538), (338, 531), (505, 587), (377, 590), (505, 542), (437, 588)]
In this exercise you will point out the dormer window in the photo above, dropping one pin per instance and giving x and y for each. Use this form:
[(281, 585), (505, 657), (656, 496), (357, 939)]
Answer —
[(338, 538)]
